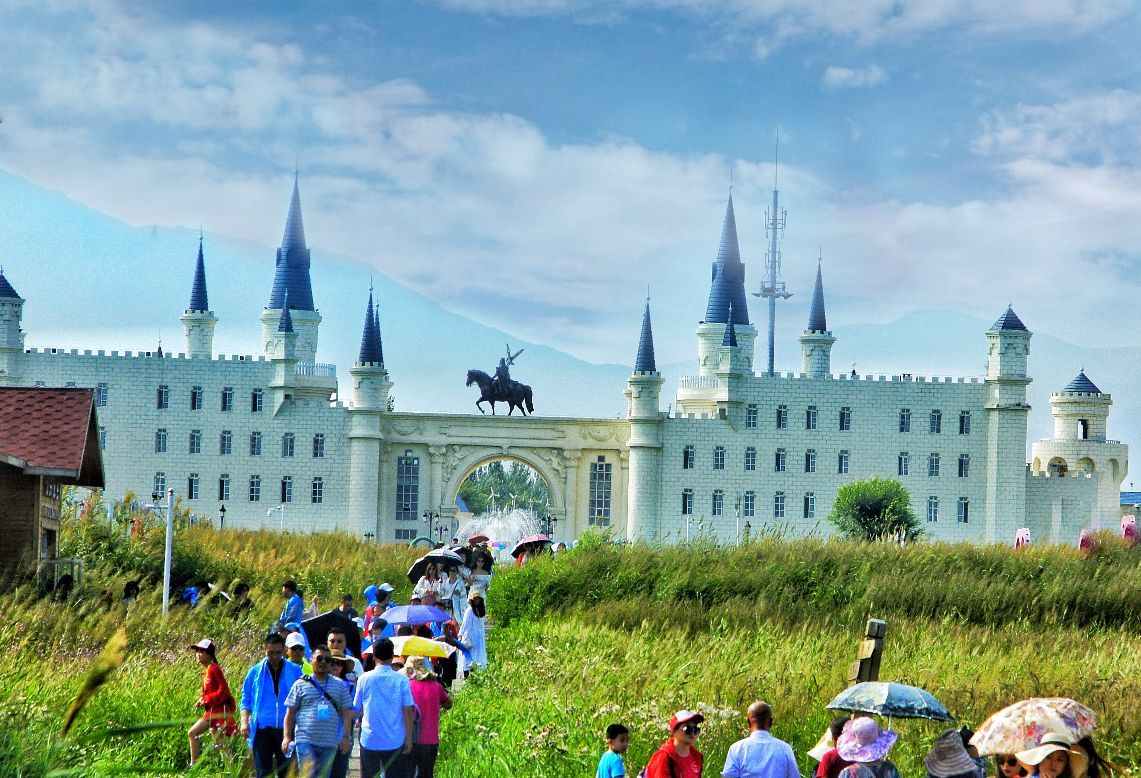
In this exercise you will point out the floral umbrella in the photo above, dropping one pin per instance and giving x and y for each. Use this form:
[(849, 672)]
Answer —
[(1022, 726)]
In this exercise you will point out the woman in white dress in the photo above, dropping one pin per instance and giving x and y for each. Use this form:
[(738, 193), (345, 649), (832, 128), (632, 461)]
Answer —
[(473, 635), (429, 582), (453, 593)]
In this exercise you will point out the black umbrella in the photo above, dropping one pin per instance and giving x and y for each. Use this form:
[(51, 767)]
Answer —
[(442, 558), (317, 630), (464, 552)]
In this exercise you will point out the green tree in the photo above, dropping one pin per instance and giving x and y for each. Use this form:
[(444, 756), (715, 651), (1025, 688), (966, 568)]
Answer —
[(504, 479), (875, 509)]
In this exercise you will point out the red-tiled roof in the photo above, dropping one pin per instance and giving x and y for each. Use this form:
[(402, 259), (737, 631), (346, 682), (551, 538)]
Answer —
[(51, 432)]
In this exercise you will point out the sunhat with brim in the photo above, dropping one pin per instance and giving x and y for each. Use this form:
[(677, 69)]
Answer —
[(685, 717), (864, 742), (823, 745), (416, 667), (1052, 743), (949, 757), (205, 644)]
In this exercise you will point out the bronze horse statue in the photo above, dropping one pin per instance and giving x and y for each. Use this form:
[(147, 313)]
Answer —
[(517, 395)]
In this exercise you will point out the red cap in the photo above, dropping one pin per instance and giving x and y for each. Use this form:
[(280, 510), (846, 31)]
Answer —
[(685, 716)]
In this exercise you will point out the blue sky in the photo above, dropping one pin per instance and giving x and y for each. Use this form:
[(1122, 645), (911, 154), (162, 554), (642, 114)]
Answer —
[(535, 164)]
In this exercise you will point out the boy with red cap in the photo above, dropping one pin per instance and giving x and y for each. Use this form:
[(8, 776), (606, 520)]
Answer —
[(677, 757)]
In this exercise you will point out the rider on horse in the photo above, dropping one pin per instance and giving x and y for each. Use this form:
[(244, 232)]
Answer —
[(501, 384)]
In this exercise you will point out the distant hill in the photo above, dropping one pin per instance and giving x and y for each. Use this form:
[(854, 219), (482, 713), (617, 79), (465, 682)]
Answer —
[(91, 281)]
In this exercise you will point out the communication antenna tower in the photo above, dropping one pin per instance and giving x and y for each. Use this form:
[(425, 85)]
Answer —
[(772, 286)]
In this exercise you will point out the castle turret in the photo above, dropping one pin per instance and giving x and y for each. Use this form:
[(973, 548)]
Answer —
[(726, 299), (1006, 411), (11, 336), (198, 320), (816, 342), (291, 277), (643, 394), (1080, 447), (370, 401)]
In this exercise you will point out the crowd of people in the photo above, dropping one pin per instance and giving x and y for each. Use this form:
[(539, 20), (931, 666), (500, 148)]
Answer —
[(302, 702), (853, 747)]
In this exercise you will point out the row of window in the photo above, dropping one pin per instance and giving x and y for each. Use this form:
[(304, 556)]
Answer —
[(811, 418), (197, 398), (194, 487), (226, 443), (843, 459), (808, 510)]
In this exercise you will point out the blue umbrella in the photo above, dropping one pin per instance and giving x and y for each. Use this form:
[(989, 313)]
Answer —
[(885, 698), (414, 614)]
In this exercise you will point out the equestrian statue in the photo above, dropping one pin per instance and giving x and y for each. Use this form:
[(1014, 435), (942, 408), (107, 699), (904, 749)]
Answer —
[(501, 388)]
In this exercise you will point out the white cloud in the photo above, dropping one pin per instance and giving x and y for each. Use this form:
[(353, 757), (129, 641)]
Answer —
[(852, 78)]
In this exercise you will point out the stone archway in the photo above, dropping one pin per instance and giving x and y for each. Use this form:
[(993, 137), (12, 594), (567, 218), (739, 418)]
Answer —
[(1057, 467), (478, 457)]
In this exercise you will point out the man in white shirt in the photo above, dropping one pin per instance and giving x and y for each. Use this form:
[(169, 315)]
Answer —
[(760, 755), (384, 703)]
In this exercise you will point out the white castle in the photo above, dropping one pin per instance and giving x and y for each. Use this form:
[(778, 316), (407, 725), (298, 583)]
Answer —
[(271, 437)]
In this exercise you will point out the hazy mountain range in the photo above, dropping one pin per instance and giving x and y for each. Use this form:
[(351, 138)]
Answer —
[(92, 281)]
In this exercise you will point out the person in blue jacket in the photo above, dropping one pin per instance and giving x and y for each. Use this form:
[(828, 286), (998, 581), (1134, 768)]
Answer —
[(294, 609), (264, 691)]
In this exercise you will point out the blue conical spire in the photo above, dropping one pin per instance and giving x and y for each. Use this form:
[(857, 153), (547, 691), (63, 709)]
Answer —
[(1082, 384), (285, 323), (198, 298), (6, 289), (817, 320), (644, 362), (379, 342), (727, 289), (730, 338), (370, 338), (292, 272)]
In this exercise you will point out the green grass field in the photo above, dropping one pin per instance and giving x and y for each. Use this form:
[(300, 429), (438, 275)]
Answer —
[(606, 633)]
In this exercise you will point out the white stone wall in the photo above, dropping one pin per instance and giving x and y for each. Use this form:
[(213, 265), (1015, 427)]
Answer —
[(874, 443), (1058, 509), (131, 418)]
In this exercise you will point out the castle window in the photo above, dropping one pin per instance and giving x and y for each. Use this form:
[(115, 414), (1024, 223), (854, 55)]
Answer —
[(160, 441), (842, 463), (405, 533), (287, 444), (319, 446), (782, 417), (904, 464), (964, 465), (810, 418), (778, 505), (936, 422), (686, 502), (845, 419), (781, 462), (964, 513), (160, 483), (195, 442), (100, 395), (718, 457), (192, 485), (810, 461), (932, 465), (162, 399), (317, 492), (964, 422), (407, 487), (224, 487), (718, 506), (905, 420), (601, 476), (196, 398), (751, 415), (255, 488), (227, 399), (226, 443), (688, 457), (1083, 429), (102, 438), (750, 458), (809, 505), (257, 401), (255, 444), (287, 488), (932, 508), (749, 505)]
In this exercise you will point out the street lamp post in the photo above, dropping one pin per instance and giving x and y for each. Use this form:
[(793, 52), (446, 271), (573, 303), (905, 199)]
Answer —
[(222, 518), (369, 535), (168, 546), (547, 523), (430, 518), (737, 509), (280, 515)]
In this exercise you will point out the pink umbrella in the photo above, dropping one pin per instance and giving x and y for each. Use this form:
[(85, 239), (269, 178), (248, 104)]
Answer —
[(1022, 726), (526, 543)]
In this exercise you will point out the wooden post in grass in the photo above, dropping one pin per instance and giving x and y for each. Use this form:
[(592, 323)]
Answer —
[(867, 664)]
